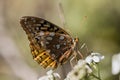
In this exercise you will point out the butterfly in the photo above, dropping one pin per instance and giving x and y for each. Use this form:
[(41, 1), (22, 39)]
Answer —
[(50, 45)]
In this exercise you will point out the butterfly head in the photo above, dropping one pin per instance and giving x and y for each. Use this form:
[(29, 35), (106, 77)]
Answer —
[(76, 39)]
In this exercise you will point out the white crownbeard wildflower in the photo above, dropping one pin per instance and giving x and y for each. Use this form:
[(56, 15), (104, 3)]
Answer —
[(79, 71), (94, 57), (116, 64), (50, 76)]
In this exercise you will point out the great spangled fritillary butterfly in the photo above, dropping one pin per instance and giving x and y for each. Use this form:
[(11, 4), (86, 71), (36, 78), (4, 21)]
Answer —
[(50, 45)]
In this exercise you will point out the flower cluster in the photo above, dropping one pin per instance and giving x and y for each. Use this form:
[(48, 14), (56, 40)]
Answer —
[(79, 71), (94, 58), (83, 69), (50, 76)]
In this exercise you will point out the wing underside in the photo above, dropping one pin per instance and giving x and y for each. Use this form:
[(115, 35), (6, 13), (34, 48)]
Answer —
[(49, 43)]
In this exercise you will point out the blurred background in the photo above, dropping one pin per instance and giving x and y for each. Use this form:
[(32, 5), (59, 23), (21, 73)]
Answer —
[(95, 22)]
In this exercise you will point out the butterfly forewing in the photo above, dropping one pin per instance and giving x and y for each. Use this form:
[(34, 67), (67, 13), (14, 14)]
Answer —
[(35, 25), (49, 43)]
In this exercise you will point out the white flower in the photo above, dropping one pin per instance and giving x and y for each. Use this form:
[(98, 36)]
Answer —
[(94, 57), (116, 64), (79, 71), (50, 76), (44, 78)]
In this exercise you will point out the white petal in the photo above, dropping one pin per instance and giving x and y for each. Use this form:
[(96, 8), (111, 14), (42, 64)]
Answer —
[(116, 64), (88, 59)]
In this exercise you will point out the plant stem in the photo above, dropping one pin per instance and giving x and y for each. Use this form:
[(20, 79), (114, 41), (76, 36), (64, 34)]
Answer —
[(98, 71), (96, 77)]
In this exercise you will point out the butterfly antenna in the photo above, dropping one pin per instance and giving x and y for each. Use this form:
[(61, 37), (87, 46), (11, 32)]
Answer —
[(83, 20), (61, 13)]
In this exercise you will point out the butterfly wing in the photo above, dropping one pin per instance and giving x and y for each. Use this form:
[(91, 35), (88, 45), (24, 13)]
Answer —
[(49, 43), (36, 25)]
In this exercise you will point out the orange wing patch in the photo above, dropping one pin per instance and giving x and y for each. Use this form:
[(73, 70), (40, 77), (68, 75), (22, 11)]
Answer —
[(43, 58)]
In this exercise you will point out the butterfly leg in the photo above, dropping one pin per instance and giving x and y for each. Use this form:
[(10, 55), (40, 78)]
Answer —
[(80, 54), (84, 49), (73, 60), (84, 46), (64, 57)]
